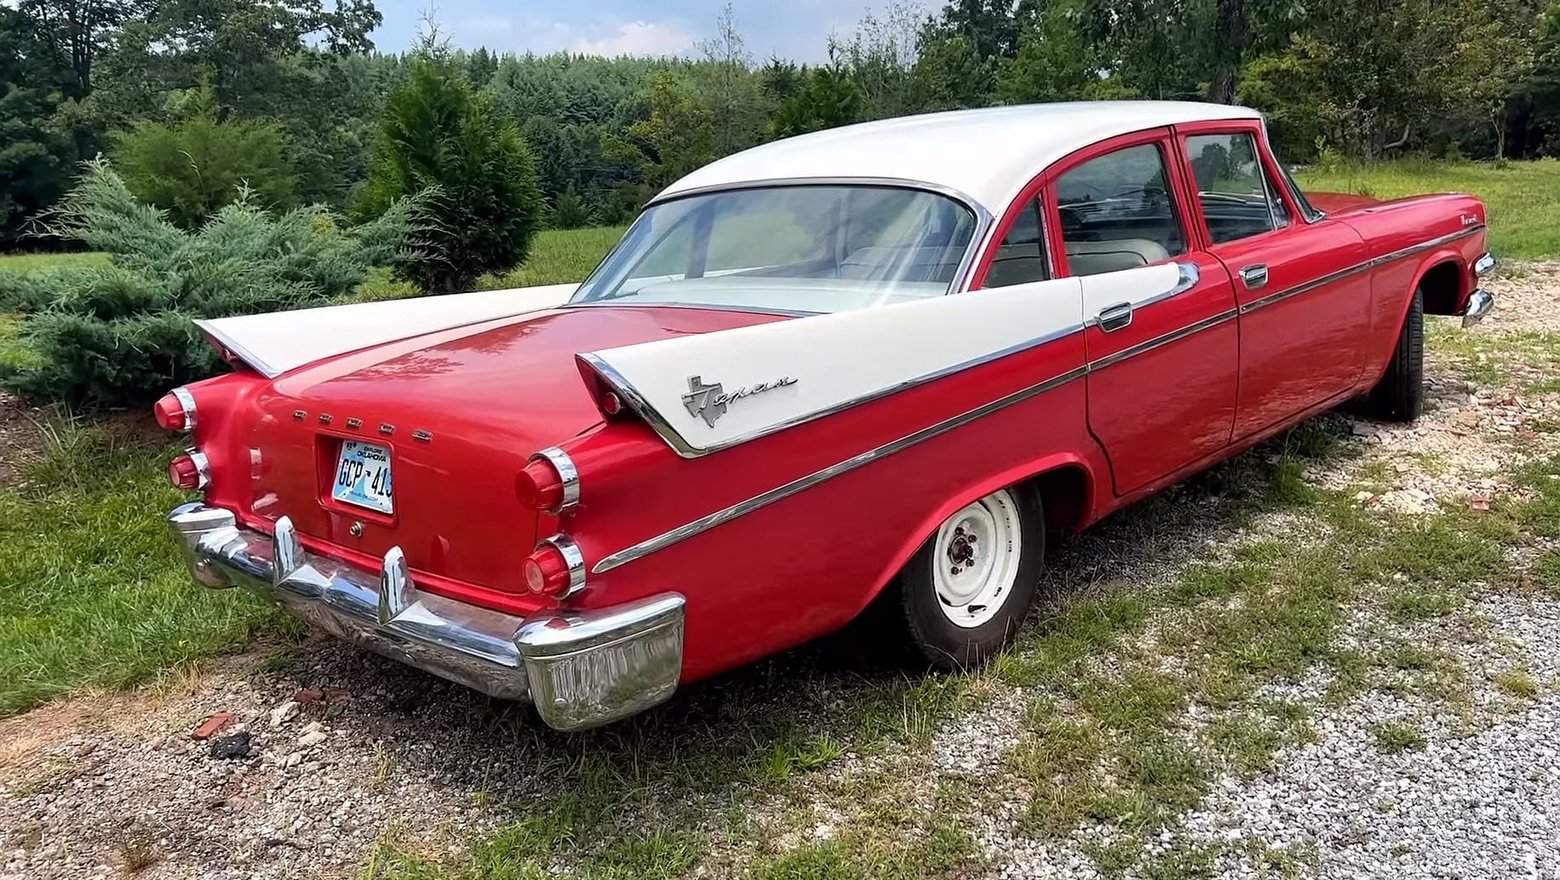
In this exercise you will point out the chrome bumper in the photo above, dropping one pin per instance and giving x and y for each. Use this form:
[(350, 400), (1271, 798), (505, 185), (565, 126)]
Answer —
[(1480, 301), (579, 669)]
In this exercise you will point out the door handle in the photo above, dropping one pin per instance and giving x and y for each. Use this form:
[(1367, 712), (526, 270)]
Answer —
[(1114, 317), (1254, 276)]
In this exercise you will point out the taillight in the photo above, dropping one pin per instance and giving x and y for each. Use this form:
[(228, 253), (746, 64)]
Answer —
[(555, 568), (189, 471), (610, 404), (176, 411), (549, 482)]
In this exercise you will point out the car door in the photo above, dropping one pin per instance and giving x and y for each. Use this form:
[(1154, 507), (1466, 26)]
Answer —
[(1303, 315), (1162, 364)]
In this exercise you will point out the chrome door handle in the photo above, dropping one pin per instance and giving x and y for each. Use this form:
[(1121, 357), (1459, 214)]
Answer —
[(1114, 317), (1254, 277)]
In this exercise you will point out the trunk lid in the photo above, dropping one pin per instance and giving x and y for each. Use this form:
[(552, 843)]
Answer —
[(460, 411)]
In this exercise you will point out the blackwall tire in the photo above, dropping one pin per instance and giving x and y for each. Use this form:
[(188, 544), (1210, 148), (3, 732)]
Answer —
[(1400, 395), (966, 592)]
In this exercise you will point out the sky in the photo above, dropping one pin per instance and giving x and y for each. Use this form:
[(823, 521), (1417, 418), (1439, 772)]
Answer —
[(796, 29)]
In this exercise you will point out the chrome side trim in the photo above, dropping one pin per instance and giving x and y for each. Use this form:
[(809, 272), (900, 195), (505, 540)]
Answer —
[(572, 556), (800, 484), (567, 472), (1357, 268), (187, 403), (1187, 277), (1163, 339)]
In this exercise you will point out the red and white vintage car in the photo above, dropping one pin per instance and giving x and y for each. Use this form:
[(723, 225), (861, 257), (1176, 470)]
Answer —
[(867, 365)]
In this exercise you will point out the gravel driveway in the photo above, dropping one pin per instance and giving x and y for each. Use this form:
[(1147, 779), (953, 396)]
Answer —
[(330, 753)]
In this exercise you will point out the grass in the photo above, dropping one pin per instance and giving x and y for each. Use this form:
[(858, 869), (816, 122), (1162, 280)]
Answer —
[(29, 262), (92, 593), (1523, 198), (1397, 736)]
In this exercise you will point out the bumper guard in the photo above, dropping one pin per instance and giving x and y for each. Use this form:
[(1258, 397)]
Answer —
[(580, 669)]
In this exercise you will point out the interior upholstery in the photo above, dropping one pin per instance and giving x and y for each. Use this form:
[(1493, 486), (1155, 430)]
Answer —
[(1113, 255)]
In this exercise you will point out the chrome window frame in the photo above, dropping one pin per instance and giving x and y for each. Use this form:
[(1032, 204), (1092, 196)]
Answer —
[(984, 223)]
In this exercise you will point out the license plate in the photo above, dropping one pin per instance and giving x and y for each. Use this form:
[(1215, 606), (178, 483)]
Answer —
[(363, 476)]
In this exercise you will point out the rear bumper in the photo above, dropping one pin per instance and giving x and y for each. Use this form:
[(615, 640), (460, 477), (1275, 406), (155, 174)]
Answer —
[(579, 669)]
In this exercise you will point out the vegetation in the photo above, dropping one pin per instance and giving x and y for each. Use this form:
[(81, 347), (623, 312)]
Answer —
[(105, 335), (1339, 78), (441, 138)]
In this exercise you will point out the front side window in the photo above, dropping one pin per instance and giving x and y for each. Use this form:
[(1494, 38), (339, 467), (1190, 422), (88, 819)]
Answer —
[(1019, 258), (788, 248), (1118, 212), (1238, 200)]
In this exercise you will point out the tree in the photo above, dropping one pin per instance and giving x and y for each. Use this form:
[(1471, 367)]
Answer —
[(37, 151), (677, 137), (951, 74), (193, 167), (442, 137), (731, 90), (1055, 61), (829, 98)]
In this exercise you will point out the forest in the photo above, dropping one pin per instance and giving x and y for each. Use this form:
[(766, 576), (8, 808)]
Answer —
[(194, 103)]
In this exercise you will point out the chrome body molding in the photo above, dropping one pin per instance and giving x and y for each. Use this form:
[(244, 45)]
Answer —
[(567, 473), (1187, 278), (582, 669), (186, 403), (1357, 268), (705, 523), (573, 557), (1187, 281)]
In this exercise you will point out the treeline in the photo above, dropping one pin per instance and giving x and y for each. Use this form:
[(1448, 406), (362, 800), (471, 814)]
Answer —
[(195, 102)]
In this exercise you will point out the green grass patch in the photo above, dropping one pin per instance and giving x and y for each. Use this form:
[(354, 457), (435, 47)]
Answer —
[(1523, 198), (1516, 683), (32, 262), (558, 256), (14, 353), (1397, 736), (92, 592)]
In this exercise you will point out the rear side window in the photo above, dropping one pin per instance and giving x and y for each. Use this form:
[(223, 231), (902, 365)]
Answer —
[(1237, 197), (1118, 212), (1019, 258)]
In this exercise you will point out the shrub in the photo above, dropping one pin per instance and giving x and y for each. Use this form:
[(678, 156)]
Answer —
[(193, 167), (122, 334), (441, 137)]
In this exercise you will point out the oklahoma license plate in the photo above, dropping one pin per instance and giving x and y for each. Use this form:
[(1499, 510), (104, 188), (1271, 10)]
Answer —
[(363, 476)]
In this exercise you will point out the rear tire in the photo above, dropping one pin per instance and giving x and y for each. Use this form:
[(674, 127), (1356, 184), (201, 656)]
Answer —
[(1400, 395), (965, 593)]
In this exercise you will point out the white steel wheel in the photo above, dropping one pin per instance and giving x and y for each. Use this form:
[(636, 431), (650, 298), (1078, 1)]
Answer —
[(975, 559), (963, 595)]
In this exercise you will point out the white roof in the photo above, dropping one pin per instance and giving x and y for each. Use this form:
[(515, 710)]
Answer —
[(988, 155)]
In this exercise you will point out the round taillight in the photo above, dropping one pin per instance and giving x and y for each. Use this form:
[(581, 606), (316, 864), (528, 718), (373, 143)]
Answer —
[(546, 571), (539, 486), (188, 471), (611, 404), (175, 411)]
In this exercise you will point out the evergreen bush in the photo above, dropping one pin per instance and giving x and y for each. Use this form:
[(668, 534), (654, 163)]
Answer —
[(122, 334)]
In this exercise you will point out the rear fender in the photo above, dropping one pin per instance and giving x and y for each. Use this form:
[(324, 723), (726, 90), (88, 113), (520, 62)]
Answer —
[(1025, 473)]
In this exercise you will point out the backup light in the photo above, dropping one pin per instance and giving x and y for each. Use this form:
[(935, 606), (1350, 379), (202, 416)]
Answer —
[(189, 471)]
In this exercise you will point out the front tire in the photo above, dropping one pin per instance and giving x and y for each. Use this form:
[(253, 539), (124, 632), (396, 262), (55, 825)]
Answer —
[(968, 589), (1400, 395)]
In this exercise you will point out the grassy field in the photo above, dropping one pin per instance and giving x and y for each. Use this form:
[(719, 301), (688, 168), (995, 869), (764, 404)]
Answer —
[(25, 262), (1523, 197)]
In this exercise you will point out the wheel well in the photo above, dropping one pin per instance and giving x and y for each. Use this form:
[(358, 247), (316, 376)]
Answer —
[(1442, 288), (1064, 493)]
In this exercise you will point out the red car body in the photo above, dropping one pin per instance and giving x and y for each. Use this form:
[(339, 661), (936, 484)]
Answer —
[(776, 540)]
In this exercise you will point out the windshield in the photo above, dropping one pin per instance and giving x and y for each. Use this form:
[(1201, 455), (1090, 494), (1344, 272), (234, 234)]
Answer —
[(788, 248)]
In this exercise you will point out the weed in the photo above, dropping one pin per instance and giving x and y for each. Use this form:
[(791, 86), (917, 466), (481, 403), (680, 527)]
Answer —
[(1397, 736)]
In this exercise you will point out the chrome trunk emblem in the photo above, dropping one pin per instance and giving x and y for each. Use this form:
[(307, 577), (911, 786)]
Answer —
[(709, 402)]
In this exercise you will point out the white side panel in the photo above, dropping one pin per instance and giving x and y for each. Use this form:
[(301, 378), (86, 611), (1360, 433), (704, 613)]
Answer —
[(276, 342), (808, 367), (1114, 288)]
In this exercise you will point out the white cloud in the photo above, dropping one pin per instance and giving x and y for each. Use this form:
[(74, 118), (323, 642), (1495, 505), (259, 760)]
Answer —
[(634, 38), (491, 24)]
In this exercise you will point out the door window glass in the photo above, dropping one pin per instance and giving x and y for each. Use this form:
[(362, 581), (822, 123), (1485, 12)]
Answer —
[(1237, 199), (1019, 259), (1118, 212)]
